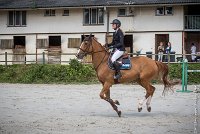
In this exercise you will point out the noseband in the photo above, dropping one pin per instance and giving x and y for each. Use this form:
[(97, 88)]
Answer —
[(86, 51)]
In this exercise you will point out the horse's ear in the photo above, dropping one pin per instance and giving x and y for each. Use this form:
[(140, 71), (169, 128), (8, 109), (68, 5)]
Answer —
[(84, 36), (90, 35)]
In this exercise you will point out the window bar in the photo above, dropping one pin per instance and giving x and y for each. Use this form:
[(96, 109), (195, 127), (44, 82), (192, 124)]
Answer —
[(192, 22)]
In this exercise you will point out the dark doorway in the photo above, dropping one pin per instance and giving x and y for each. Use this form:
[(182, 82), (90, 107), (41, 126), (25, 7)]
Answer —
[(160, 38), (128, 42), (54, 41), (19, 50), (54, 50), (19, 42), (192, 37)]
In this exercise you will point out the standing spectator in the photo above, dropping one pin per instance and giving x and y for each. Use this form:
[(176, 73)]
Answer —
[(193, 51), (160, 51), (167, 51)]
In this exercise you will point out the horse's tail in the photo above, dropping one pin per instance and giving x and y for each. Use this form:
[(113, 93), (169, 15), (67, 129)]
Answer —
[(163, 70)]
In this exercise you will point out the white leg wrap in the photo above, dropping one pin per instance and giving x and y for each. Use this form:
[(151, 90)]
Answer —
[(141, 103), (148, 101)]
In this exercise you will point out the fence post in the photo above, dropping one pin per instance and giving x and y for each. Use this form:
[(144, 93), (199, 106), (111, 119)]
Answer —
[(43, 57), (6, 59), (184, 76)]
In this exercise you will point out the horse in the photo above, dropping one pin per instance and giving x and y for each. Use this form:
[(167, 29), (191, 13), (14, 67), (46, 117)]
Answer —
[(144, 70)]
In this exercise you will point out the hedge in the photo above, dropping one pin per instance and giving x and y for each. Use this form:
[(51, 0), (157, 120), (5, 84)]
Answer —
[(75, 72)]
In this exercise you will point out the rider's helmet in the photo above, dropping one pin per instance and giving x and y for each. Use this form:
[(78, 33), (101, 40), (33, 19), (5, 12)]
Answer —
[(116, 21)]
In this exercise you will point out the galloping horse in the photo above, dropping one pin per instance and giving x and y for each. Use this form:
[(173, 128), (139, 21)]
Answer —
[(143, 71)]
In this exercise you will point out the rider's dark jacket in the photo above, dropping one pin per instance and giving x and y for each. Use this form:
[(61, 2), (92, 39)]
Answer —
[(118, 40)]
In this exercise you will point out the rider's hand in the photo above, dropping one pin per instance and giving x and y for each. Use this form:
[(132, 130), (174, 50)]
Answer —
[(110, 47), (106, 45)]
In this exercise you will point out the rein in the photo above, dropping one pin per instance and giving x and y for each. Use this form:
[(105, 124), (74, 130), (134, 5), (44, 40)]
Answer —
[(101, 61), (92, 52)]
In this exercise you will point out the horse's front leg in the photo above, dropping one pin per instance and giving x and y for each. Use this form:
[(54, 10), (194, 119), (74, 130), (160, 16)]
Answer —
[(105, 94), (108, 96)]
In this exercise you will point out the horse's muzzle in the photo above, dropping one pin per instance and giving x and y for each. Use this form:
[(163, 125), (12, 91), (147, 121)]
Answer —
[(80, 55)]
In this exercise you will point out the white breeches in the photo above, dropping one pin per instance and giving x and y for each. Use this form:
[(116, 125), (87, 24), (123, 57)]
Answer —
[(116, 55)]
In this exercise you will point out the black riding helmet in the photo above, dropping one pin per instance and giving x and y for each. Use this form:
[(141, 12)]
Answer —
[(116, 21)]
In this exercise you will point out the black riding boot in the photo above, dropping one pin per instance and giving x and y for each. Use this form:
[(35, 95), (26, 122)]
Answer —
[(116, 65)]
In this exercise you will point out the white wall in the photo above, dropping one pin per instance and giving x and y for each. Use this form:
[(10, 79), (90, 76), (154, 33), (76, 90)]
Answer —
[(38, 23), (144, 19), (144, 25), (146, 41)]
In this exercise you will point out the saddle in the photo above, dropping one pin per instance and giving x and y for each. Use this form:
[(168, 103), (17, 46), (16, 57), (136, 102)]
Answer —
[(124, 61)]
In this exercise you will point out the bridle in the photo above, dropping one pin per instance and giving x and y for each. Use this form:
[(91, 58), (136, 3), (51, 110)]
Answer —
[(86, 51)]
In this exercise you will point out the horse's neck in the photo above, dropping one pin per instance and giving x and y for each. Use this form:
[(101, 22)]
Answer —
[(99, 56)]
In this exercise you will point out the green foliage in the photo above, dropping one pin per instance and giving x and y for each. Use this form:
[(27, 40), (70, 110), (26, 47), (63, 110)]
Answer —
[(194, 77), (176, 72), (75, 72)]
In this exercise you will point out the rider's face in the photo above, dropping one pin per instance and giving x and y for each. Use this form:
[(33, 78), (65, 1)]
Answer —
[(114, 26)]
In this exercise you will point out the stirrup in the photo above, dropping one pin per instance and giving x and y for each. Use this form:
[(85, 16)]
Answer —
[(117, 76)]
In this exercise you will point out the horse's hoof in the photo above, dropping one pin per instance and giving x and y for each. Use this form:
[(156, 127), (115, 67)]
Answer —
[(140, 109), (149, 109), (117, 102), (119, 113)]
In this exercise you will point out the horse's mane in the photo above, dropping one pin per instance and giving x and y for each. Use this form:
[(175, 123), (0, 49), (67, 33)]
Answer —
[(95, 39)]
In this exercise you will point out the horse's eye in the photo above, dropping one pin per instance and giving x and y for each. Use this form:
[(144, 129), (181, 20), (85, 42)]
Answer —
[(86, 42)]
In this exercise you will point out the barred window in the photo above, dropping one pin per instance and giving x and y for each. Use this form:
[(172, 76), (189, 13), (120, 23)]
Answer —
[(6, 44), (74, 42), (168, 10), (50, 12), (66, 12), (164, 11), (122, 12), (160, 11), (93, 16), (42, 43), (17, 18)]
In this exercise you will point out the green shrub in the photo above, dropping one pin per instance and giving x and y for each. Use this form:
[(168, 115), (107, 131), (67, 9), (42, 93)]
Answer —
[(175, 72), (75, 72)]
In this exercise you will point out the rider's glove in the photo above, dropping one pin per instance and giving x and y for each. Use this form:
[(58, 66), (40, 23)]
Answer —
[(110, 47)]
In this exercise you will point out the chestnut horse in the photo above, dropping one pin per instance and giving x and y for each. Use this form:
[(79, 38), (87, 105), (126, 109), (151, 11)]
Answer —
[(143, 71)]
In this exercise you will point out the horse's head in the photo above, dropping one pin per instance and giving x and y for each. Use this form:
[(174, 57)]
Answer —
[(85, 48)]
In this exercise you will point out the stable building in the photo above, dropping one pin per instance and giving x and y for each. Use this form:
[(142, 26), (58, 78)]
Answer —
[(29, 28)]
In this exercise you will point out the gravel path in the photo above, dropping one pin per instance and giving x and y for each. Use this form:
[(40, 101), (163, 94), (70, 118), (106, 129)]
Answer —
[(78, 109)]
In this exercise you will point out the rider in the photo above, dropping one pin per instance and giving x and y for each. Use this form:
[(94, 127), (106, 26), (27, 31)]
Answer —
[(118, 45)]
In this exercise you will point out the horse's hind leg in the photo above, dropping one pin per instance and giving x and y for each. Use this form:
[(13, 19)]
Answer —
[(105, 94), (140, 103), (149, 93)]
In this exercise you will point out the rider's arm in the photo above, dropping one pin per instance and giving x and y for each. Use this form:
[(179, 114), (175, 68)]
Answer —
[(121, 43)]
